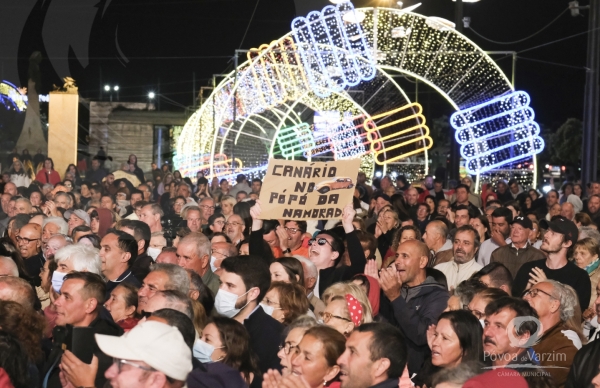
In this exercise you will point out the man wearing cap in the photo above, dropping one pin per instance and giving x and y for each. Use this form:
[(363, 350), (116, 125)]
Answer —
[(558, 240), (152, 354), (76, 218), (519, 251)]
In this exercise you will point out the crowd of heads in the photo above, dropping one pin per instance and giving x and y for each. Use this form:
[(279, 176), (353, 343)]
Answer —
[(181, 283)]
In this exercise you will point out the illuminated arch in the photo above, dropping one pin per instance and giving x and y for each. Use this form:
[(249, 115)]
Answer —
[(282, 80)]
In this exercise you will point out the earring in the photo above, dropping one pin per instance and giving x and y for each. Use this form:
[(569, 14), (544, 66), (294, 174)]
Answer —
[(324, 382)]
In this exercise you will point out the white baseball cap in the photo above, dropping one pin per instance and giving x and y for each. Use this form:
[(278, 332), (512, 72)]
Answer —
[(157, 344)]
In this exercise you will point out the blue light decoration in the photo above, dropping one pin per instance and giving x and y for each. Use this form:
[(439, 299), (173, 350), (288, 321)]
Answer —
[(334, 53), (497, 133), (294, 140)]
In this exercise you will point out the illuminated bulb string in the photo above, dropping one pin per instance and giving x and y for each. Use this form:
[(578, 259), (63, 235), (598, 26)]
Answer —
[(498, 132)]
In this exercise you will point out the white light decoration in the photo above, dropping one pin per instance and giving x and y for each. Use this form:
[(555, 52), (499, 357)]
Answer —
[(498, 132), (334, 61), (11, 98), (294, 140), (334, 54)]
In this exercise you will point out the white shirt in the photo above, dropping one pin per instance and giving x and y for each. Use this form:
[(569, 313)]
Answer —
[(486, 249), (456, 273)]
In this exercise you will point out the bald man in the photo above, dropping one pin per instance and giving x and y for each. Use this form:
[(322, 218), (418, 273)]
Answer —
[(413, 300), (29, 241)]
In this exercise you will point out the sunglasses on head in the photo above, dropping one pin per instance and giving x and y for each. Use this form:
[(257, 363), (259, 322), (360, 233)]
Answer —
[(321, 241)]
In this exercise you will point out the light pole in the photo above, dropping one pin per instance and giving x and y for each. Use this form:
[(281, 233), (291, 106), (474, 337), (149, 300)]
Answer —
[(109, 89), (454, 165), (589, 154)]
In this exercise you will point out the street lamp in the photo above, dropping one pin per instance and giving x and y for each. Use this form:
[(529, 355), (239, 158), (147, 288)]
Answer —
[(109, 90), (151, 95)]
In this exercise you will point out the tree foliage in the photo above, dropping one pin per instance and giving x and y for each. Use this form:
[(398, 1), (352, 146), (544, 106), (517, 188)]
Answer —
[(565, 143)]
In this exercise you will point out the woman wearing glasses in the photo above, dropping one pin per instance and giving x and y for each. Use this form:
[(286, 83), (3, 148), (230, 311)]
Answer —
[(285, 302), (295, 332), (344, 313), (313, 361)]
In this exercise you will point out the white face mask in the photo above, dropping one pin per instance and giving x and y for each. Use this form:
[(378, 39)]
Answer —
[(57, 280), (269, 309), (203, 351), (153, 252), (225, 303), (212, 263)]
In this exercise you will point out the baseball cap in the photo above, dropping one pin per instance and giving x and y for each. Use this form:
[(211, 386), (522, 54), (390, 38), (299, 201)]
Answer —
[(157, 344), (81, 214), (523, 221), (564, 226)]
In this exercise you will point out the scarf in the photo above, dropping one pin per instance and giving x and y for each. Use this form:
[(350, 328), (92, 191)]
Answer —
[(592, 266)]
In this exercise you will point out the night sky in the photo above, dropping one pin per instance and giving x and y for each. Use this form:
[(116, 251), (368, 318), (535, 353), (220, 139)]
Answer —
[(139, 44)]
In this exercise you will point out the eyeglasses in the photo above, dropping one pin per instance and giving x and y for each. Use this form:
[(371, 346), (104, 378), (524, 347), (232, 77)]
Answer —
[(121, 362), (25, 239), (321, 241), (213, 252), (291, 230), (234, 223), (327, 317), (287, 348), (478, 314), (533, 292), (219, 222), (206, 207)]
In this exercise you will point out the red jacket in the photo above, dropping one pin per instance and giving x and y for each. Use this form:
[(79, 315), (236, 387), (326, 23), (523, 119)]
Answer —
[(44, 177)]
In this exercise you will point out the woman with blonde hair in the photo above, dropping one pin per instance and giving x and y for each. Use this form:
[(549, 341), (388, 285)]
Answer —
[(18, 174), (342, 289), (227, 204)]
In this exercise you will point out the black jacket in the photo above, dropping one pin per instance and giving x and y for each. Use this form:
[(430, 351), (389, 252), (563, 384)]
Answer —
[(51, 368), (141, 266), (585, 366), (265, 338), (328, 276), (413, 312)]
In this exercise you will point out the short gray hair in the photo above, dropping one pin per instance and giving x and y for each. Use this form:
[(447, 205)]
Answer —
[(310, 269), (200, 241), (10, 265), (62, 193), (567, 297), (83, 257), (58, 221), (588, 231), (458, 375), (178, 277), (178, 301)]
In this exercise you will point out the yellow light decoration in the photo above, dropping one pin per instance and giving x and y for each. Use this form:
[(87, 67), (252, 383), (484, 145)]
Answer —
[(272, 92)]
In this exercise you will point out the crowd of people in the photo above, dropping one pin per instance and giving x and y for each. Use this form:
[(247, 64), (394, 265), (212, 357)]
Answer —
[(180, 283)]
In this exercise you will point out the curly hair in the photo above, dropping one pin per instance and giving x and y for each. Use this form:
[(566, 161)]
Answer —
[(398, 235), (13, 359), (24, 324)]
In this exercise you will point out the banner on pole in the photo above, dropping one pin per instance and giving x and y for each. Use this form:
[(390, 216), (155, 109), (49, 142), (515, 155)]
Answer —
[(296, 190)]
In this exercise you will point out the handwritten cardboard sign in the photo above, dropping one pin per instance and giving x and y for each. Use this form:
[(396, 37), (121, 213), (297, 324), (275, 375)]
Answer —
[(296, 190)]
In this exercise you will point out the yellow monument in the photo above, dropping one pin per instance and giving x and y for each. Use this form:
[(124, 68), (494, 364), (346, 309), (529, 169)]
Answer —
[(62, 130)]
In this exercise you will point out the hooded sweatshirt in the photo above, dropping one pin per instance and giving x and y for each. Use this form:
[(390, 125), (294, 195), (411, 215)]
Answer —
[(413, 312)]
